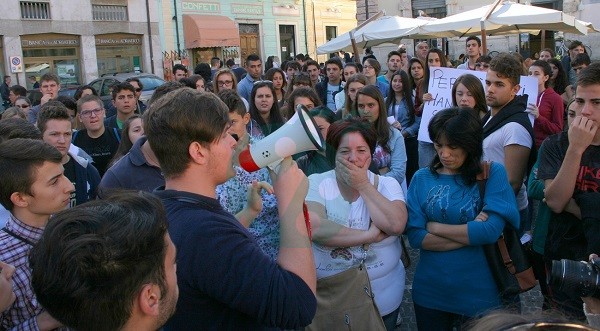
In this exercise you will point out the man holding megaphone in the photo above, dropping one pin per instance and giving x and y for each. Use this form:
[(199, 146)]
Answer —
[(225, 280)]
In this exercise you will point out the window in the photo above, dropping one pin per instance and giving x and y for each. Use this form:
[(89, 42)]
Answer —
[(330, 32), (431, 8), (109, 13), (437, 12), (35, 10)]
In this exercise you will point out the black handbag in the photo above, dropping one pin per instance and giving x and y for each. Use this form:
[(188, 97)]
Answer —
[(507, 258)]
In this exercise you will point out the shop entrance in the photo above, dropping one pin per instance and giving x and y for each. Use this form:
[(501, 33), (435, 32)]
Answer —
[(119, 52), (52, 53)]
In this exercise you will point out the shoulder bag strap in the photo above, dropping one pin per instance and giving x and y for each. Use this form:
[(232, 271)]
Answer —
[(18, 237), (482, 178)]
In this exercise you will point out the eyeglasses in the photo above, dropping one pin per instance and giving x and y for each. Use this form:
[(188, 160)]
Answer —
[(88, 113), (23, 106), (138, 90), (225, 82)]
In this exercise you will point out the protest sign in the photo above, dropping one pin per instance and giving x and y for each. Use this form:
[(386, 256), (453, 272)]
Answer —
[(440, 87)]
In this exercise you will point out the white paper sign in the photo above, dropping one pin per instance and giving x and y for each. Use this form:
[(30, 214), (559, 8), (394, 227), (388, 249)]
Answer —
[(440, 87)]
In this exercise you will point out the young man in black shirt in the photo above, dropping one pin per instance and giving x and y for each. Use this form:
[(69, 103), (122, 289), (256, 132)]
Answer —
[(100, 142), (55, 125)]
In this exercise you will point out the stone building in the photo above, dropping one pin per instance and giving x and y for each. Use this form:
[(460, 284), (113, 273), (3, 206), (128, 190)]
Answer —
[(78, 40)]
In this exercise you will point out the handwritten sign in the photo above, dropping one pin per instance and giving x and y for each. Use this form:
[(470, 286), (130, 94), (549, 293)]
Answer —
[(441, 81)]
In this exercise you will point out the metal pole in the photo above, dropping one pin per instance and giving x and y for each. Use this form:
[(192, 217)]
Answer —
[(150, 36), (305, 28), (177, 29), (366, 9), (314, 27)]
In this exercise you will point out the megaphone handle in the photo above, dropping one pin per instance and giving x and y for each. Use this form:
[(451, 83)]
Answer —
[(275, 166), (307, 220)]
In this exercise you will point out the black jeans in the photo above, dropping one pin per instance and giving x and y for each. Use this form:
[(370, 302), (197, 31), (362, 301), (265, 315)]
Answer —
[(438, 320)]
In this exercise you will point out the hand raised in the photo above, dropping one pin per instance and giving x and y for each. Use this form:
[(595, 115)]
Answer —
[(533, 110), (254, 195), (581, 133), (351, 174)]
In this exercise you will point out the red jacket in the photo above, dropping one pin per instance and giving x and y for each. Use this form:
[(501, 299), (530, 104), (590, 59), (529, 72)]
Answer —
[(550, 121)]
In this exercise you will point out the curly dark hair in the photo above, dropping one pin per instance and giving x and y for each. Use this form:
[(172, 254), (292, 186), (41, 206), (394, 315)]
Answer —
[(507, 66)]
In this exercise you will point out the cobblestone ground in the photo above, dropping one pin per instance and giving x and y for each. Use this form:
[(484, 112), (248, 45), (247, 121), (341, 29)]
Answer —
[(531, 301)]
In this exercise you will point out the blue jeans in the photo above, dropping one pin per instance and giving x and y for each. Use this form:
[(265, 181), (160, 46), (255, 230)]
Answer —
[(438, 320)]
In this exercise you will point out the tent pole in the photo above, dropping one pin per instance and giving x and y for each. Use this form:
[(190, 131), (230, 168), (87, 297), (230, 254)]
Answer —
[(483, 39), (482, 22), (543, 45), (351, 33), (354, 47)]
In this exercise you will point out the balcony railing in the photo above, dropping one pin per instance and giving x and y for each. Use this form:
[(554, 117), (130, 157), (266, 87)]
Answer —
[(109, 13), (35, 10)]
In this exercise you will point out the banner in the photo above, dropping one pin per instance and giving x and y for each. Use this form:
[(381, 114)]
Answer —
[(441, 81)]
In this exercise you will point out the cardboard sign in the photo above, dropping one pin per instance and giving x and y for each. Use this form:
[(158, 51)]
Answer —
[(441, 81)]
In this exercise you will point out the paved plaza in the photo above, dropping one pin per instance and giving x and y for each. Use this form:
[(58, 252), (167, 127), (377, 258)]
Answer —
[(531, 301)]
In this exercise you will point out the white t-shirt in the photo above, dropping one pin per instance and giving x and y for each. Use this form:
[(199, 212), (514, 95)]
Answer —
[(331, 89), (340, 100), (384, 267), (511, 133)]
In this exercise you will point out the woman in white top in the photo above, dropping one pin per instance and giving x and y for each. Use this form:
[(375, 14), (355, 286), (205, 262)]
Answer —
[(350, 207)]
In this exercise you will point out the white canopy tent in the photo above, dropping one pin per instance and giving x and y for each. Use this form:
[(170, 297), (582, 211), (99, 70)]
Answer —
[(386, 29), (506, 17)]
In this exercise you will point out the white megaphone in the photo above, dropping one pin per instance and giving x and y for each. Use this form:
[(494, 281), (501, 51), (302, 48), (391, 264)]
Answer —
[(299, 134)]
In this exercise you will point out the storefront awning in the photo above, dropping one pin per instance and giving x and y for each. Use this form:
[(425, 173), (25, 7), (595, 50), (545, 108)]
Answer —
[(209, 31)]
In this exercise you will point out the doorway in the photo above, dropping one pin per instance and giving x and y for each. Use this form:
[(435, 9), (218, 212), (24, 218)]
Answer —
[(287, 41), (249, 40)]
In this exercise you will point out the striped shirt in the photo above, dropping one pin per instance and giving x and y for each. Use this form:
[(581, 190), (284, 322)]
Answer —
[(16, 240)]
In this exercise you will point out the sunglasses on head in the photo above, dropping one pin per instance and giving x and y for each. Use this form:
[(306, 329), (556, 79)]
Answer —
[(263, 82)]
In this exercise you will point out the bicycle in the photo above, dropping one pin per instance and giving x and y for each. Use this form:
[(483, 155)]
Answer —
[(562, 48)]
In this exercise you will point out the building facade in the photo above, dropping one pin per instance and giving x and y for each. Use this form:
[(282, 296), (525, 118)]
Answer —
[(194, 31), (78, 40)]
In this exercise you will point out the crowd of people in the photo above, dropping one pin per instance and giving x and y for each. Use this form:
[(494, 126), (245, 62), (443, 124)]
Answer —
[(141, 216)]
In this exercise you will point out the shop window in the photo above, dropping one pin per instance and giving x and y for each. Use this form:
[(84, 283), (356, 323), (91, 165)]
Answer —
[(35, 10), (109, 13)]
